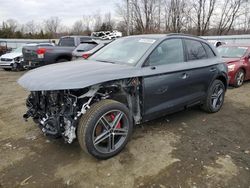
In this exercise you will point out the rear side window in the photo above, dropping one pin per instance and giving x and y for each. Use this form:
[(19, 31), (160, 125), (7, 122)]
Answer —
[(168, 52), (209, 51), (85, 47), (195, 50), (69, 41), (84, 39)]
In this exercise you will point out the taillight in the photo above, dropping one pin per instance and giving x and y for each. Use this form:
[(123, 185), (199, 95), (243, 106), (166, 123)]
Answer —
[(86, 56), (41, 51)]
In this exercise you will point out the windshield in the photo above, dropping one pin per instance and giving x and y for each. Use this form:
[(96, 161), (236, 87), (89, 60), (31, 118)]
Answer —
[(124, 51), (231, 51), (18, 50)]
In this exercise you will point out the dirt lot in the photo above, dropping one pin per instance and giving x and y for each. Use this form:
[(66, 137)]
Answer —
[(186, 149)]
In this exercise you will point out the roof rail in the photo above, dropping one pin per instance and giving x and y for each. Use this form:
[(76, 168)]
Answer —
[(182, 34)]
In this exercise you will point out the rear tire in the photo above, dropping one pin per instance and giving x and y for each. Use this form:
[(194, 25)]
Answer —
[(61, 60), (215, 97), (239, 78), (104, 130)]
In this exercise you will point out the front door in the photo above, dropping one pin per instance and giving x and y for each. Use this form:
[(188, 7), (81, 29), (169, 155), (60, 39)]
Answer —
[(165, 81)]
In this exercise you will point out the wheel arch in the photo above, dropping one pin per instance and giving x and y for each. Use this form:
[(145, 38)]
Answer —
[(242, 68), (63, 57), (223, 79), (128, 92)]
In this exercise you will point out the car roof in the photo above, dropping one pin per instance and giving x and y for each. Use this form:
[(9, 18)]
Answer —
[(150, 36), (77, 36), (37, 44), (162, 36)]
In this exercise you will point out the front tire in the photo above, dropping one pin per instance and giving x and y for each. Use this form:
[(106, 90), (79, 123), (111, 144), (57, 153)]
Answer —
[(105, 129), (18, 67), (7, 69), (215, 97)]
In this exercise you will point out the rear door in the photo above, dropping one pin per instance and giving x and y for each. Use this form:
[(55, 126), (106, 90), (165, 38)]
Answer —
[(200, 70), (165, 87)]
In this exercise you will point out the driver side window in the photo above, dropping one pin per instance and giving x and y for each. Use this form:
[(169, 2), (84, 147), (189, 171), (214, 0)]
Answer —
[(168, 52)]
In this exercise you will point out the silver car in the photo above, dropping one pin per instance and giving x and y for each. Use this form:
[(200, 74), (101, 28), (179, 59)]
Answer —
[(88, 48)]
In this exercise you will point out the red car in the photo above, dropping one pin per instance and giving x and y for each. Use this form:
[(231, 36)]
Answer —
[(237, 58)]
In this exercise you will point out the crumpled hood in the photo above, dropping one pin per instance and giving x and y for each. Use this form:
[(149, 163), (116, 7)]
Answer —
[(74, 75)]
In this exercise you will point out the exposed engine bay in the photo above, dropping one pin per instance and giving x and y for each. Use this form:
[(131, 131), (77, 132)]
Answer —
[(57, 113)]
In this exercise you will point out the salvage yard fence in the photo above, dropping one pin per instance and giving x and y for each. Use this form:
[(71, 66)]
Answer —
[(243, 39), (15, 43)]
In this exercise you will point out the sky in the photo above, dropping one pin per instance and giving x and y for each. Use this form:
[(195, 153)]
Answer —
[(67, 10)]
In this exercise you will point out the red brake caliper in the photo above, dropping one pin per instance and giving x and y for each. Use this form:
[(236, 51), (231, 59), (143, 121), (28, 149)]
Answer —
[(112, 116)]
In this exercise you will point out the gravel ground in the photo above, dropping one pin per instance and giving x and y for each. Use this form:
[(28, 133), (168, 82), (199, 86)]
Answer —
[(186, 149)]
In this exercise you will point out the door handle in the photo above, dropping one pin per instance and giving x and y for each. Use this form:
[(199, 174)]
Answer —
[(213, 69), (153, 68), (184, 76)]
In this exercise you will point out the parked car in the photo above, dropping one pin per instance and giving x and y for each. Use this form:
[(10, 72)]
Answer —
[(132, 80), (14, 60), (88, 48), (11, 60), (36, 56), (237, 58)]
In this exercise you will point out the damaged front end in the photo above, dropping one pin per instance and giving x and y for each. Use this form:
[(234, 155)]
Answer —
[(57, 112)]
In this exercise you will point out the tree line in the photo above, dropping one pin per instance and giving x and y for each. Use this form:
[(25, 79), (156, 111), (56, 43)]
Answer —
[(54, 28), (198, 17)]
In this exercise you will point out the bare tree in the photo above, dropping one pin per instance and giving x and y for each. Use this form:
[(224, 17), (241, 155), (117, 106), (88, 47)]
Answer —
[(108, 20), (175, 15), (88, 22), (128, 17), (230, 11), (202, 13), (51, 25), (143, 16), (31, 27), (78, 27), (97, 19), (159, 9), (124, 10), (11, 24)]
